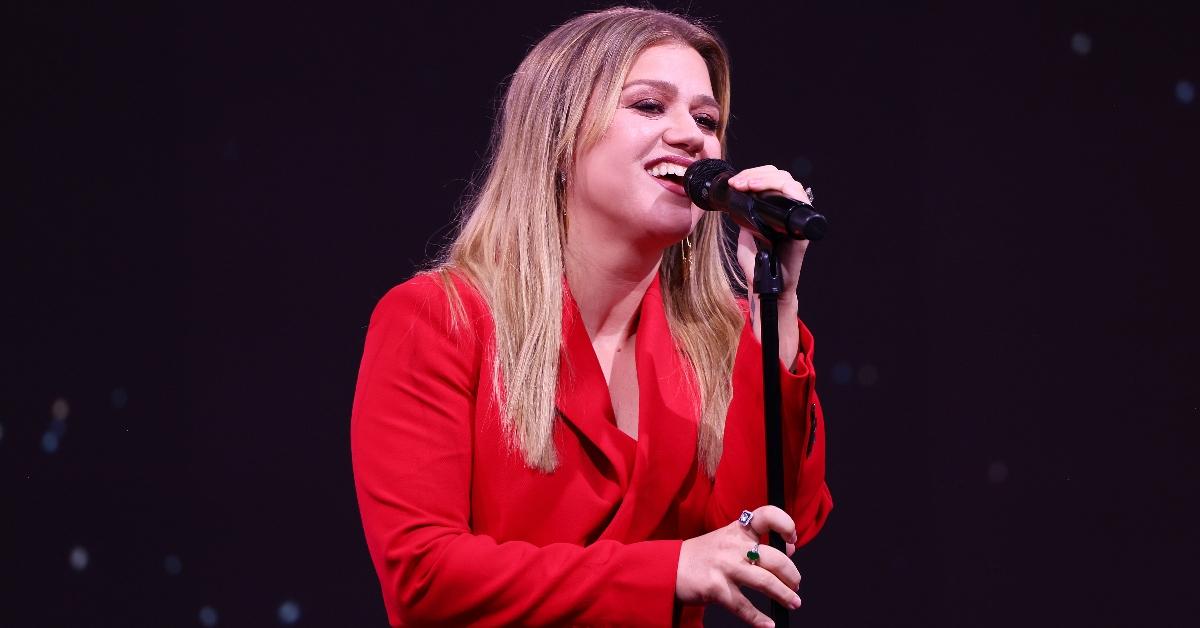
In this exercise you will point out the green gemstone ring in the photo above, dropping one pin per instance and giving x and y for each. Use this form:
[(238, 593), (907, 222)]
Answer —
[(753, 554)]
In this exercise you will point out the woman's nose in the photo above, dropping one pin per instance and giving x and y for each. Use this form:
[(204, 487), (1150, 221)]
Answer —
[(684, 133)]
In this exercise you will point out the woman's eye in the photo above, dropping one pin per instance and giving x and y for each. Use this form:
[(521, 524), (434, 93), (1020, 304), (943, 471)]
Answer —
[(653, 107), (648, 106)]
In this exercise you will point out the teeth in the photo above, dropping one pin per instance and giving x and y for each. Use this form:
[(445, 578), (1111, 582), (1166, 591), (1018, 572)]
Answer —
[(665, 168)]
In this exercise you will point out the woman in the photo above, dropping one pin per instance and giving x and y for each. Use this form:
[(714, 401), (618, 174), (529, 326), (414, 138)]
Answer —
[(561, 422)]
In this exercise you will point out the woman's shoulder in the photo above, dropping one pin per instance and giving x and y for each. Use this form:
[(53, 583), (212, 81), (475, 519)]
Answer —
[(444, 295), (434, 285)]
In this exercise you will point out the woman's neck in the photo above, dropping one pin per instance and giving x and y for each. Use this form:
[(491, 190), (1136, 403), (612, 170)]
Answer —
[(608, 281)]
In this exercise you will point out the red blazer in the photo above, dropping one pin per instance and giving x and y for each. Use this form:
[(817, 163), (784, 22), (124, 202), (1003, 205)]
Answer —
[(461, 531)]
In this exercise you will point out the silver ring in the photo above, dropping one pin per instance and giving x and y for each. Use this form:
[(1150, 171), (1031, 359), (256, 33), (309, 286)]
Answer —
[(809, 192), (745, 518)]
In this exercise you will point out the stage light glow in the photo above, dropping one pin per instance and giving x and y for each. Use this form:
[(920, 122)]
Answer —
[(997, 472), (1081, 43), (208, 616), (1185, 91), (172, 565), (289, 613), (842, 372), (49, 442), (119, 397), (868, 375), (60, 409), (78, 559)]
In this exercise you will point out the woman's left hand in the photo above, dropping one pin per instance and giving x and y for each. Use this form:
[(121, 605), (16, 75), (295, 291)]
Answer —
[(790, 252)]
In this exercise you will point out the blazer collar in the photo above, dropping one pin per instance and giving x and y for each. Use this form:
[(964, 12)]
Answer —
[(583, 399), (665, 452)]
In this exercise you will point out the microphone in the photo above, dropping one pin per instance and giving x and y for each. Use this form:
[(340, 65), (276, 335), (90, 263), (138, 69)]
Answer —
[(770, 216)]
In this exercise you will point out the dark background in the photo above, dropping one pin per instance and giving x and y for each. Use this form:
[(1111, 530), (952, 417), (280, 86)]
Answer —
[(204, 202)]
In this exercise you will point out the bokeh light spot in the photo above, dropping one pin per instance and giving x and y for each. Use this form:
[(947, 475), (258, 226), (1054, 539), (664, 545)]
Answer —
[(208, 616), (60, 409), (997, 472), (172, 565), (842, 372), (78, 559), (119, 397), (868, 375), (801, 167), (1185, 91), (1081, 43), (289, 612), (49, 442)]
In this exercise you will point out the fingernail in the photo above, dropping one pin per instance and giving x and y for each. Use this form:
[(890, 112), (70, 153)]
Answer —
[(735, 181), (795, 602), (794, 539)]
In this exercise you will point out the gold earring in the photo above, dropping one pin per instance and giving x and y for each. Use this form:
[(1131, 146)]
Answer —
[(562, 185)]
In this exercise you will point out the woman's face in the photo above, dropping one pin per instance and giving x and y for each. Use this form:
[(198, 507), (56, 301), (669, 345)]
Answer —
[(628, 184)]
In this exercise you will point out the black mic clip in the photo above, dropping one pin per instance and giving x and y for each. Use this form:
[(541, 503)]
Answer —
[(768, 277)]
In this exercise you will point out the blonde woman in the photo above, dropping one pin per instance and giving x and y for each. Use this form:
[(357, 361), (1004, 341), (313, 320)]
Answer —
[(561, 421)]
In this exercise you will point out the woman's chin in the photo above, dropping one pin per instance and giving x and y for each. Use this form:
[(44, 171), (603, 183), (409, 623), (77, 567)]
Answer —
[(665, 236), (673, 220)]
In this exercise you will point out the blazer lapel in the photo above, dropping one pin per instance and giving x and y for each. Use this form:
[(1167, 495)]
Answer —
[(667, 418), (583, 399)]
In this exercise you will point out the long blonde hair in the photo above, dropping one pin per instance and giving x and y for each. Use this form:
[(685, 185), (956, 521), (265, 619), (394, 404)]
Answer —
[(511, 237)]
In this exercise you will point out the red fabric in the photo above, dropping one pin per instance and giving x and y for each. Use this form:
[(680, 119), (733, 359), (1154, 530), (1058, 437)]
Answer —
[(461, 531)]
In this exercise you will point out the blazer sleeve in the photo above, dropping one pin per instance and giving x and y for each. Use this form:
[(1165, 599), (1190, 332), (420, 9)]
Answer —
[(741, 477), (411, 444)]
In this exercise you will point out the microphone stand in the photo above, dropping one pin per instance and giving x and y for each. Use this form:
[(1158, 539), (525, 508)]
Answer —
[(768, 283)]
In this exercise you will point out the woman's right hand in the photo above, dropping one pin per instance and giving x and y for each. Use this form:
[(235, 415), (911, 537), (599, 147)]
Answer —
[(711, 567)]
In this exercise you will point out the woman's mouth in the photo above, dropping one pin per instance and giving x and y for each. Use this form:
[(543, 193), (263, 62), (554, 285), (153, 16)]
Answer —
[(669, 176)]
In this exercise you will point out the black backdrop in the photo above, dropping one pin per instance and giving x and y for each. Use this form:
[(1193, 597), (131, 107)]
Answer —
[(204, 203)]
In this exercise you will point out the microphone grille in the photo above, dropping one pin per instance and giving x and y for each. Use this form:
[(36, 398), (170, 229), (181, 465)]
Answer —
[(698, 178)]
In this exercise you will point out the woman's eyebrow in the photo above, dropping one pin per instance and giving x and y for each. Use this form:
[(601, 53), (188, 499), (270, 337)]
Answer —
[(670, 90)]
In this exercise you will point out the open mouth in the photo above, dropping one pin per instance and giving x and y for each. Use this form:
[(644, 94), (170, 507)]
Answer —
[(673, 178), (667, 171)]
